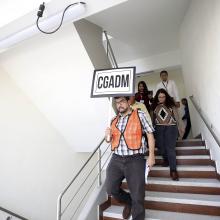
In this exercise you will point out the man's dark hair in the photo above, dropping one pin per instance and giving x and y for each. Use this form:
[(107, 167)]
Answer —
[(185, 100), (163, 71), (118, 97)]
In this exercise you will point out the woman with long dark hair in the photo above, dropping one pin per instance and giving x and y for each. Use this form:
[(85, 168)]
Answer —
[(166, 122), (142, 95)]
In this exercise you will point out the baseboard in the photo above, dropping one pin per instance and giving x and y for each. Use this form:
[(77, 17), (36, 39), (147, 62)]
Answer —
[(103, 207)]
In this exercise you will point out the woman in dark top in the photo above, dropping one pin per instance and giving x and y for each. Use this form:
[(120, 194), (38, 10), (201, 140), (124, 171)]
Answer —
[(166, 122), (186, 117), (142, 95)]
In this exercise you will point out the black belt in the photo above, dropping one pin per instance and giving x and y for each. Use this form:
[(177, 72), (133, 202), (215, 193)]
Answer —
[(129, 156)]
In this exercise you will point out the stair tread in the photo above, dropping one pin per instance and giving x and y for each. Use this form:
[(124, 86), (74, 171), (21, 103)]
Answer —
[(115, 212), (185, 182), (189, 148), (189, 157), (190, 139), (180, 197), (187, 168), (183, 198)]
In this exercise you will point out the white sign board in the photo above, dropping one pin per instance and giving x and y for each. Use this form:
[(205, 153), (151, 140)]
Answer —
[(113, 82)]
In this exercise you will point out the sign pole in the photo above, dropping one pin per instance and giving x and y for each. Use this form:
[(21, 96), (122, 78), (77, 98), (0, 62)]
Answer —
[(110, 112), (109, 116), (111, 83)]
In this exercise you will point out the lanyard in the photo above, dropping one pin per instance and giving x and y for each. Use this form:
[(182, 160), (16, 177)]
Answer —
[(165, 86)]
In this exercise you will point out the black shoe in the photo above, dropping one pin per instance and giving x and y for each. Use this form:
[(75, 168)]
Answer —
[(126, 211), (174, 175)]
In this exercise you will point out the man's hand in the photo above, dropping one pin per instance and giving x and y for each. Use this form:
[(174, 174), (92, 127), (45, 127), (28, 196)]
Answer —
[(151, 161), (108, 135), (181, 133)]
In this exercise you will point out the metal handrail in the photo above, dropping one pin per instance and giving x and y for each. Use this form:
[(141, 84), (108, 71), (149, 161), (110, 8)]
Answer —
[(75, 177), (99, 174), (210, 127), (90, 186), (109, 48), (13, 214)]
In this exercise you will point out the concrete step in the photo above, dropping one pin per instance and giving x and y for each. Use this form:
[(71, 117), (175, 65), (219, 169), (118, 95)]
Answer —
[(189, 160), (188, 151), (184, 185), (190, 142), (185, 182), (181, 202), (186, 168), (184, 198), (185, 171), (114, 212), (190, 147), (194, 157)]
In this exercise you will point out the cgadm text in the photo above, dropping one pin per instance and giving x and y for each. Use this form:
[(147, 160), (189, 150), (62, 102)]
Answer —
[(113, 81)]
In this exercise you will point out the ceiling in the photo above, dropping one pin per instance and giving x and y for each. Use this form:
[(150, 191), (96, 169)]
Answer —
[(142, 28), (16, 16)]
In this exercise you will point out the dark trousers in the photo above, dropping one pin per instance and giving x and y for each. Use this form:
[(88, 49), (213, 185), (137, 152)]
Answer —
[(187, 129), (166, 137), (133, 169)]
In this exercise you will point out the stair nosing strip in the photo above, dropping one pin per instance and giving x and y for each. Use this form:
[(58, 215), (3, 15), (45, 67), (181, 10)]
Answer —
[(194, 157), (179, 183), (186, 168), (191, 148), (183, 201)]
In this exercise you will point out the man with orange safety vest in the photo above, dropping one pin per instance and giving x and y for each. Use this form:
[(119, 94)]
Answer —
[(129, 147)]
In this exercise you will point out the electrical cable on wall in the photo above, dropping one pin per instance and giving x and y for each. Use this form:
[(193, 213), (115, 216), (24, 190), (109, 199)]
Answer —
[(40, 14)]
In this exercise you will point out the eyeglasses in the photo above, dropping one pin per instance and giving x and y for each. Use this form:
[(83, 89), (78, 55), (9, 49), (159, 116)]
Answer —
[(122, 101)]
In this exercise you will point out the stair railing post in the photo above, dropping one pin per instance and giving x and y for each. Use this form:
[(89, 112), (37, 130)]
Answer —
[(59, 208), (99, 167)]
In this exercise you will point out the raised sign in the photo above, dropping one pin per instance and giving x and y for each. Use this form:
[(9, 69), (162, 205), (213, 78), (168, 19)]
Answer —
[(113, 82)]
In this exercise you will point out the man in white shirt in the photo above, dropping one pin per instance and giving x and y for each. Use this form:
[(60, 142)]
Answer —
[(169, 86)]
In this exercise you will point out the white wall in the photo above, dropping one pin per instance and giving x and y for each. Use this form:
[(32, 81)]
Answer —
[(155, 62), (153, 79), (91, 36), (36, 162), (90, 210), (200, 52), (56, 74)]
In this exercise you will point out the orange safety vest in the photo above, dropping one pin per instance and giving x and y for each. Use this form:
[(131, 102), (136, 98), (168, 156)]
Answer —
[(132, 133)]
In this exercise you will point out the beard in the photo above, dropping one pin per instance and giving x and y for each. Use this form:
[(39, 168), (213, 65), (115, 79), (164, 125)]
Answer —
[(122, 109)]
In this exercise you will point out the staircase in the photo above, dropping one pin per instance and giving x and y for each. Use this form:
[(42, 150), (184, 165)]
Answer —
[(195, 196)]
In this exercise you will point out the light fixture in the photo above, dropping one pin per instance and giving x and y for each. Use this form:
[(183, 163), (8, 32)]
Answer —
[(47, 24), (146, 73)]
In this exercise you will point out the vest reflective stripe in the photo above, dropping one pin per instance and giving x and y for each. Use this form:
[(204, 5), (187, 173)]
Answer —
[(132, 133)]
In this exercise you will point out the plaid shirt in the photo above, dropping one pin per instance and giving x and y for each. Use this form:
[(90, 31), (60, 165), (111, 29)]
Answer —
[(146, 128)]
